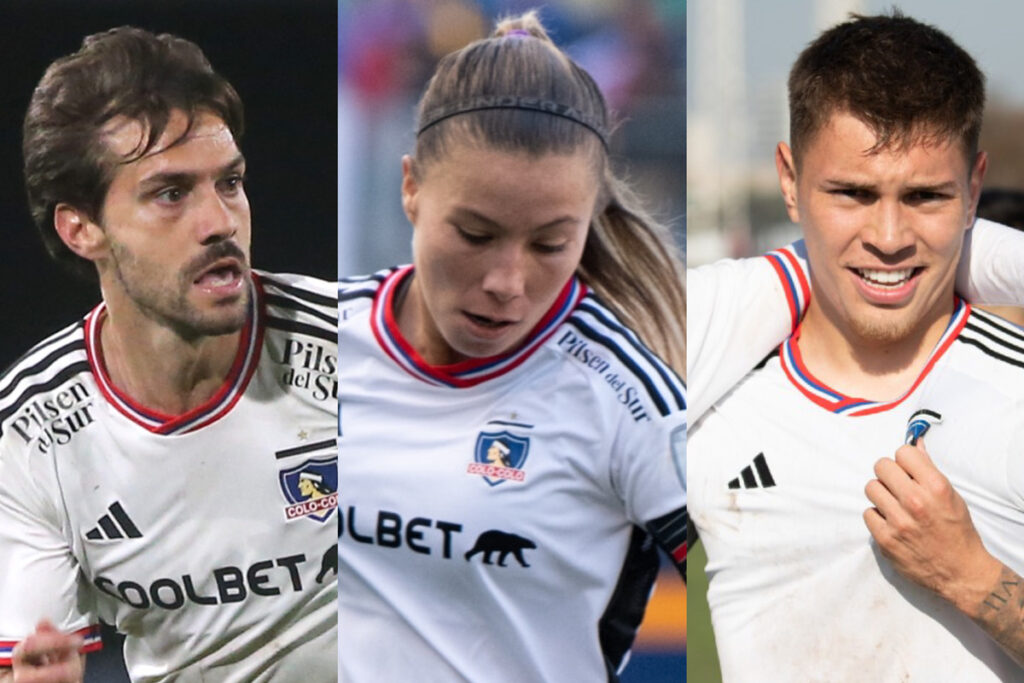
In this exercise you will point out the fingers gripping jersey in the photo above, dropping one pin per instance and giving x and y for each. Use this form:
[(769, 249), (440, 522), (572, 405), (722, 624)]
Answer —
[(798, 589), (208, 538), (493, 512)]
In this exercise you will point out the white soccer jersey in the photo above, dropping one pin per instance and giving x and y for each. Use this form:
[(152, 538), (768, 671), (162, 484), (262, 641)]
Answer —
[(798, 589), (493, 511), (739, 310), (207, 538)]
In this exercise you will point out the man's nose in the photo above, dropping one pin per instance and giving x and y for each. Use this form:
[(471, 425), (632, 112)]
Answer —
[(889, 231), (217, 217)]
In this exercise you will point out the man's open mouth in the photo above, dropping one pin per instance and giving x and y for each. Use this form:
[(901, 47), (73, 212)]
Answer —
[(222, 273), (887, 279)]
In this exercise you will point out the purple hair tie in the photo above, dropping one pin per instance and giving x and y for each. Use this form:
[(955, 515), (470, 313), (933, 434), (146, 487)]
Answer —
[(518, 33)]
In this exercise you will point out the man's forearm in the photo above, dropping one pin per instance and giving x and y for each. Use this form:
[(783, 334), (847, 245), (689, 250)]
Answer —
[(1001, 613)]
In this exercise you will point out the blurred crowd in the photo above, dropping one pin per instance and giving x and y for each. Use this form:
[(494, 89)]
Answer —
[(634, 49)]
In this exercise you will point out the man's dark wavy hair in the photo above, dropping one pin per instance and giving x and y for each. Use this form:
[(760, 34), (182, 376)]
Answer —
[(123, 72)]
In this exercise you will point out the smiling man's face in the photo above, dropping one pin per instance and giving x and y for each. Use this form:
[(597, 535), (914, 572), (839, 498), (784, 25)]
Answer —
[(883, 229)]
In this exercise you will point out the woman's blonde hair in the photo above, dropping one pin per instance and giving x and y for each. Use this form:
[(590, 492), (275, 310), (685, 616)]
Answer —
[(517, 91)]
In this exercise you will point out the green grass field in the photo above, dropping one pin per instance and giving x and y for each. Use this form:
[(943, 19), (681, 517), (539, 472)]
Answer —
[(701, 658)]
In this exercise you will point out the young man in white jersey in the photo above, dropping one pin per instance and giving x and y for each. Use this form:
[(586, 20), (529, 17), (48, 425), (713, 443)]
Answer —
[(158, 458), (883, 175)]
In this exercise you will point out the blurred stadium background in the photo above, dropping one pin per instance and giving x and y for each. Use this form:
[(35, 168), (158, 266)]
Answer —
[(278, 55), (635, 49), (738, 57), (739, 54)]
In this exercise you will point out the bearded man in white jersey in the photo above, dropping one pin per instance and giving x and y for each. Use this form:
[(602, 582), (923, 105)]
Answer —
[(883, 175), (158, 459)]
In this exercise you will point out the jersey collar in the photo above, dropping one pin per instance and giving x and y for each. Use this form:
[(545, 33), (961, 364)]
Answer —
[(220, 404), (469, 372), (836, 402)]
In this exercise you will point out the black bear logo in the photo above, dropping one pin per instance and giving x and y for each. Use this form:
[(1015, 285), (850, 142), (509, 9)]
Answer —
[(495, 541), (328, 563)]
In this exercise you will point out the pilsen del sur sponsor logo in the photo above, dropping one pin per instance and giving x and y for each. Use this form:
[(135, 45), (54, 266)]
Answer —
[(54, 418), (309, 366)]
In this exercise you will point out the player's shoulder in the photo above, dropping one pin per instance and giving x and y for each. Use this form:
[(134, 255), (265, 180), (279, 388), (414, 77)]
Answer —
[(300, 288), (300, 304), (616, 363), (356, 293), (998, 347), (55, 366)]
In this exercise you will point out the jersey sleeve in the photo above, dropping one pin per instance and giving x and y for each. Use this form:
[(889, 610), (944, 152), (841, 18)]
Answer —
[(39, 576), (737, 312), (991, 267), (649, 473)]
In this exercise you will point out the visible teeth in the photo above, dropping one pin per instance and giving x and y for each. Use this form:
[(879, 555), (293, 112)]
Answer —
[(220, 277), (888, 278)]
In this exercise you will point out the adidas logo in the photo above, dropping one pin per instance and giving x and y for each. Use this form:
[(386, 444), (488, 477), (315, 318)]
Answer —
[(748, 478), (115, 525)]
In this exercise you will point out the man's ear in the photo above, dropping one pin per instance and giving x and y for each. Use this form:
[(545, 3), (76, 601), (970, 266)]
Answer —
[(787, 179), (79, 232), (410, 188), (976, 180)]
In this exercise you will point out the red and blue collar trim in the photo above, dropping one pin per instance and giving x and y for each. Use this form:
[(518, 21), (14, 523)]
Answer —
[(469, 372), (792, 271), (833, 401), (219, 405)]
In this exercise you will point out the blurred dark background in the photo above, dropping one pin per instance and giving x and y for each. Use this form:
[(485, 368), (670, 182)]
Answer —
[(280, 56)]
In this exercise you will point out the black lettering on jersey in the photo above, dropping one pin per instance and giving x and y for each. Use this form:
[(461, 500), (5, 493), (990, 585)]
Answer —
[(503, 543), (190, 591), (310, 366), (628, 395), (257, 577), (231, 584), (389, 531), (55, 418), (579, 349), (172, 596)]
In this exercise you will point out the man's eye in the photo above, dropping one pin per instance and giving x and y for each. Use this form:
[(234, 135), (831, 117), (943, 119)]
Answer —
[(232, 184), (924, 196), (171, 195), (851, 192)]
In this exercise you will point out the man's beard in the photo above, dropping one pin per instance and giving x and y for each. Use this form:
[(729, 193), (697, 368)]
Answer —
[(167, 303), (883, 330)]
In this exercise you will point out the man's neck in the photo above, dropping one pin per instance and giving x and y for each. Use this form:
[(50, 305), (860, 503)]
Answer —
[(862, 366), (159, 369)]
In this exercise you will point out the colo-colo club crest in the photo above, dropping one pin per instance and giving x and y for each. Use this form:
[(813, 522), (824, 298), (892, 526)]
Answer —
[(499, 456), (311, 489)]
